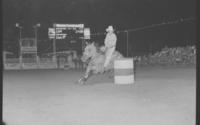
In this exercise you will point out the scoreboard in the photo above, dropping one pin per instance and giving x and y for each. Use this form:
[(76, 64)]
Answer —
[(68, 31)]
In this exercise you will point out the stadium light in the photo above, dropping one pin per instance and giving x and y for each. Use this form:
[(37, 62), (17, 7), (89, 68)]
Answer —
[(20, 37), (17, 24), (20, 30), (37, 25)]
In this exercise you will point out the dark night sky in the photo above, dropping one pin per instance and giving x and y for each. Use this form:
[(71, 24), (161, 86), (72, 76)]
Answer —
[(97, 14)]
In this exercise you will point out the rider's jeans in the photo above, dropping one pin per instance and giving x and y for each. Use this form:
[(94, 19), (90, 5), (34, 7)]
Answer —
[(109, 53)]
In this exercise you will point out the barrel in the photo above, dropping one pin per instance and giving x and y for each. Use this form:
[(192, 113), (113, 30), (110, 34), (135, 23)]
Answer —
[(124, 71)]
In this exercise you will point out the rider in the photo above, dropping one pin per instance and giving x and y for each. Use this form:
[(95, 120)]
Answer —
[(110, 44)]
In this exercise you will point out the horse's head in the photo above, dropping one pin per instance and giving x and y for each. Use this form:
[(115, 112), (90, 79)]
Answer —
[(89, 52)]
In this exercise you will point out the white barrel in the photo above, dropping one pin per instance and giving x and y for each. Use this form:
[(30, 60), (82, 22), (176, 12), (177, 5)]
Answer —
[(124, 71)]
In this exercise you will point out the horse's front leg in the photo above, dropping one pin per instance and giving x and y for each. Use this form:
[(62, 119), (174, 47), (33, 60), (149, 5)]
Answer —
[(88, 73)]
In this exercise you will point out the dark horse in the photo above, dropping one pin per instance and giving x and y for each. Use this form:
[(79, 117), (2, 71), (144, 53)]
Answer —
[(94, 56)]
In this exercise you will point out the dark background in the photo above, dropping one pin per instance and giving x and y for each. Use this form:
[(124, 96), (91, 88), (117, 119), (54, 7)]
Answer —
[(97, 15)]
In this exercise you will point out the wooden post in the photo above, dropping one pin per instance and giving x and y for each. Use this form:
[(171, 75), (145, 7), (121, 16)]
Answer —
[(54, 47), (127, 43)]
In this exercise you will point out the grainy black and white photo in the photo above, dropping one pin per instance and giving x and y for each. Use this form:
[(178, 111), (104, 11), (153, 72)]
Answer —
[(99, 62)]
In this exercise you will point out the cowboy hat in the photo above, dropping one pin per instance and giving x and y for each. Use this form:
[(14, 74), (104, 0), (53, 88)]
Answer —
[(110, 28)]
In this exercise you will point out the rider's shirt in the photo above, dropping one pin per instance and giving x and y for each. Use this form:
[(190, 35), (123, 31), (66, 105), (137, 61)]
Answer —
[(110, 40)]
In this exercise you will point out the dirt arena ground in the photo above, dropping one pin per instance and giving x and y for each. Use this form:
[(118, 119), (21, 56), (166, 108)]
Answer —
[(159, 96)]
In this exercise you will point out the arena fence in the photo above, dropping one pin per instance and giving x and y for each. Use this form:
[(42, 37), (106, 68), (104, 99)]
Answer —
[(42, 63), (29, 63), (13, 63)]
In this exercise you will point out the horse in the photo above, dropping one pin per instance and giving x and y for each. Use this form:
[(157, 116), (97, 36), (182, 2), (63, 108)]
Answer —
[(94, 57)]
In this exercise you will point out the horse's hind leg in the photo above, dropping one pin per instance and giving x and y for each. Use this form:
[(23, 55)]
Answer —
[(111, 74)]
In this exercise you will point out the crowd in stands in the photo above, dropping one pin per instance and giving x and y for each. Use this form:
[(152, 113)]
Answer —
[(182, 56)]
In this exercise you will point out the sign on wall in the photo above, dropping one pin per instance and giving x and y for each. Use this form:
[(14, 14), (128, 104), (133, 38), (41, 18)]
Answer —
[(59, 34), (86, 33), (69, 25), (63, 31)]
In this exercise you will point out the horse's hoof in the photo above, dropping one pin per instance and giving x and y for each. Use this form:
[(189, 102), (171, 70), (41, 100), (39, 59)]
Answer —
[(76, 82), (81, 81)]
